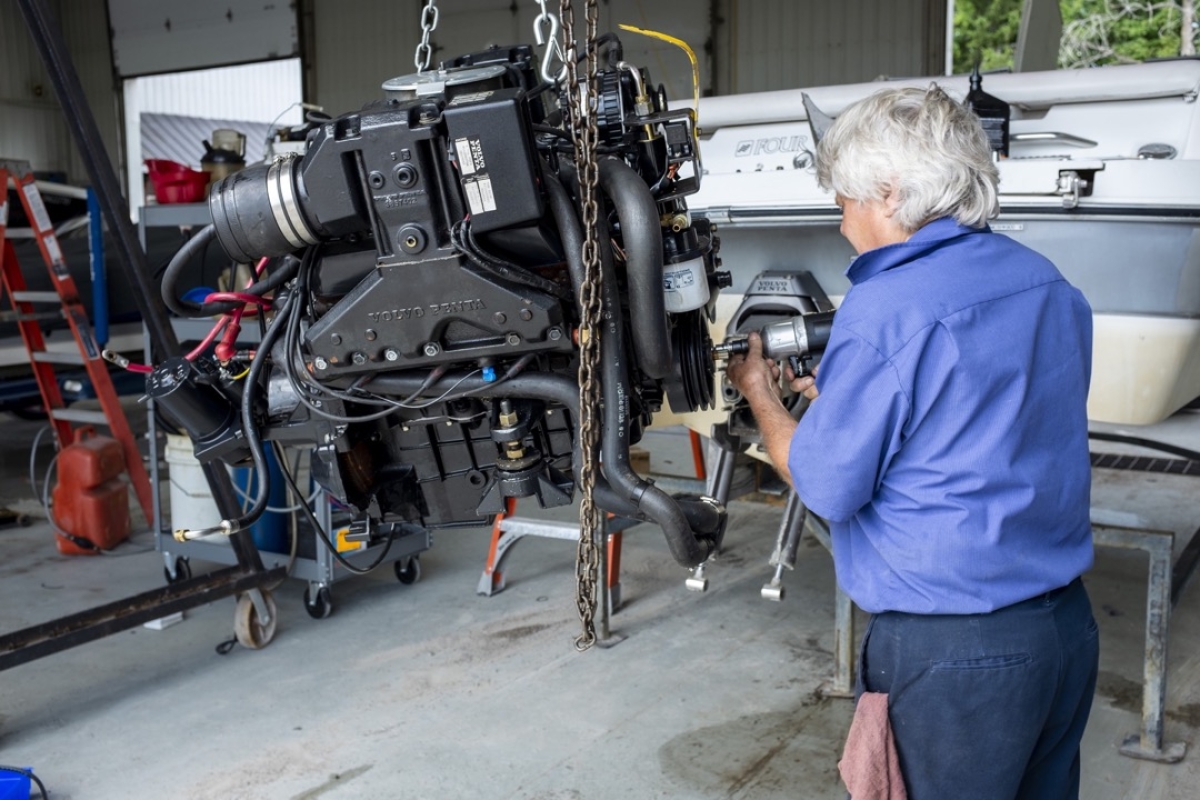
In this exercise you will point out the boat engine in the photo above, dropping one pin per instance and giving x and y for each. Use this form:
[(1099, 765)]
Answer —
[(421, 268)]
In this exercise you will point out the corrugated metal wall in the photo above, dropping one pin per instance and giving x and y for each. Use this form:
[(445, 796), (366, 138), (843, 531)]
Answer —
[(34, 126), (354, 45), (779, 44), (358, 44), (226, 92), (742, 45)]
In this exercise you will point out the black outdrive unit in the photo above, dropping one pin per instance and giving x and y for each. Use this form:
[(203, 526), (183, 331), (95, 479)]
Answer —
[(427, 345)]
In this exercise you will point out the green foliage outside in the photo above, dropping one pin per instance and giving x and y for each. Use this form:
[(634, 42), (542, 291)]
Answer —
[(1095, 32)]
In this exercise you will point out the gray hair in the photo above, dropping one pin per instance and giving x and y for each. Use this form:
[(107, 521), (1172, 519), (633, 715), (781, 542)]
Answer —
[(919, 143)]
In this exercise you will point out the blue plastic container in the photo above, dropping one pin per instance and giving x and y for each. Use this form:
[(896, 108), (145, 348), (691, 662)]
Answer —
[(270, 532), (14, 785)]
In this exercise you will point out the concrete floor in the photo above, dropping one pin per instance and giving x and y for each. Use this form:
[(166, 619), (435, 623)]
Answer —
[(429, 691)]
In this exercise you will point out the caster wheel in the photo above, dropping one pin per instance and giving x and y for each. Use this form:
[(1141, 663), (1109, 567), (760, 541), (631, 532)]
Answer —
[(252, 632), (410, 572), (183, 571), (321, 606)]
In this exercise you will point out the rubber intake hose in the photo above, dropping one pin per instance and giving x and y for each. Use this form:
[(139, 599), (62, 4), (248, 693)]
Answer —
[(642, 236)]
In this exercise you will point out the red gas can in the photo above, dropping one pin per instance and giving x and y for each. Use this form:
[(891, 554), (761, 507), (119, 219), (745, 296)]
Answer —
[(91, 502)]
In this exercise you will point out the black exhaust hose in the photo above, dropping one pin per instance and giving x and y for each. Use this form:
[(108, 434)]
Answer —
[(642, 235), (564, 390), (686, 548)]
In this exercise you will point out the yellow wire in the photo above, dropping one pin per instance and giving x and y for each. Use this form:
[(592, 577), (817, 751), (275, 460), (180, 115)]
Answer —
[(239, 377), (681, 44)]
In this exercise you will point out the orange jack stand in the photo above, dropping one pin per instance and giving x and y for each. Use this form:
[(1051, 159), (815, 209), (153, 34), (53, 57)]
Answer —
[(508, 529)]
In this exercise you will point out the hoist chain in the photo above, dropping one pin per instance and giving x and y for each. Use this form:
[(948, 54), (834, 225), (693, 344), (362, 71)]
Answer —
[(429, 21), (582, 104)]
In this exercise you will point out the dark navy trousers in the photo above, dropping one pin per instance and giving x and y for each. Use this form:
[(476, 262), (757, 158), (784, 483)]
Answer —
[(988, 706)]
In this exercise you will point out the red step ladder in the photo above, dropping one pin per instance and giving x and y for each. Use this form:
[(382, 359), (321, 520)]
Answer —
[(70, 308)]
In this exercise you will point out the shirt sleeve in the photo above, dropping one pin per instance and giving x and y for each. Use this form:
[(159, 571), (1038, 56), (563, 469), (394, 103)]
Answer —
[(851, 432)]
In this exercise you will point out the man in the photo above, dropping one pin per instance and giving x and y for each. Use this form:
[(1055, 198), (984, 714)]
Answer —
[(946, 444)]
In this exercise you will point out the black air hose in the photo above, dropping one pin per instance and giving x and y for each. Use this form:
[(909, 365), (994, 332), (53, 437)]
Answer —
[(642, 235)]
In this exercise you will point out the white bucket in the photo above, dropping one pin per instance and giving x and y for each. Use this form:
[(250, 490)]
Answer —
[(192, 504)]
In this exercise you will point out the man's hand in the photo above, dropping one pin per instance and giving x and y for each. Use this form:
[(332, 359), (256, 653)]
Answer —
[(806, 386), (757, 378), (753, 375)]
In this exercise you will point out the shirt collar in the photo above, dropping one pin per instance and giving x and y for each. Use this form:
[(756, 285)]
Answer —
[(928, 237)]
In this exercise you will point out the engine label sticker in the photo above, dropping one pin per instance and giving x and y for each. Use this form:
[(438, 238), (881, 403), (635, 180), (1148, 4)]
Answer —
[(480, 195), (473, 97), (470, 155), (679, 279)]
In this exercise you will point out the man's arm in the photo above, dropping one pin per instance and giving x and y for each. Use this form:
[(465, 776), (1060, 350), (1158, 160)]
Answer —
[(757, 379)]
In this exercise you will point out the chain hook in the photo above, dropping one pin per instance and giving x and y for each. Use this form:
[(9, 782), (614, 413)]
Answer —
[(549, 40)]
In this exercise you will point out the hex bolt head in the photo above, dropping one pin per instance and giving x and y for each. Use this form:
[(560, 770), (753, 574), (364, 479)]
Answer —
[(513, 339), (555, 334), (321, 363), (391, 354), (432, 349), (359, 359)]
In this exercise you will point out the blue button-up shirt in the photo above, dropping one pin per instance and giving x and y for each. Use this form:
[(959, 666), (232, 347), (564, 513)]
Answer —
[(948, 447)]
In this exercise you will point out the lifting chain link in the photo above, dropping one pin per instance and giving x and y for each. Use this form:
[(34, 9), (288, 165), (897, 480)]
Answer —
[(429, 21), (582, 104)]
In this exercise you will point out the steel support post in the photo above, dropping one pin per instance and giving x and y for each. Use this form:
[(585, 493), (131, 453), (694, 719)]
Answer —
[(1158, 545)]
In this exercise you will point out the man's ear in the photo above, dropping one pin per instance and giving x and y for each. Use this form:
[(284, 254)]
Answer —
[(891, 202)]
